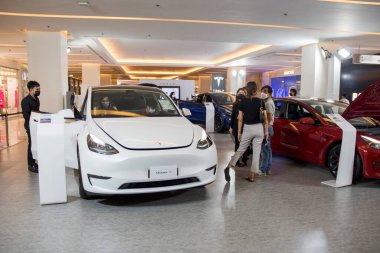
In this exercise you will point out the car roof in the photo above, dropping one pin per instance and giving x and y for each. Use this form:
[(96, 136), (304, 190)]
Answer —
[(133, 87)]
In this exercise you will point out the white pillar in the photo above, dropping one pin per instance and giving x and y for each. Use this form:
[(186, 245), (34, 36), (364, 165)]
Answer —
[(334, 78), (91, 74), (47, 64), (313, 72), (236, 78)]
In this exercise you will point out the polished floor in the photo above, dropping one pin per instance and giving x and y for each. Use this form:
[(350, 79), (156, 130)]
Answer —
[(16, 131), (289, 211)]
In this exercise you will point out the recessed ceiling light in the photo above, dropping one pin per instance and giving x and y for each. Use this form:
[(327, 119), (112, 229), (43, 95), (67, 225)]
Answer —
[(344, 53), (84, 3)]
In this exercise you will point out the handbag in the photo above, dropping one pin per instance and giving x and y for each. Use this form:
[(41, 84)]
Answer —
[(262, 116)]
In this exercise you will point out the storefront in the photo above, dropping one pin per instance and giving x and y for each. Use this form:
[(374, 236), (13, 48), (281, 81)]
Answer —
[(9, 91)]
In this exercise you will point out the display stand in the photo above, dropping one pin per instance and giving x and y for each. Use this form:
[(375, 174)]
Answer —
[(347, 153), (210, 117), (51, 164)]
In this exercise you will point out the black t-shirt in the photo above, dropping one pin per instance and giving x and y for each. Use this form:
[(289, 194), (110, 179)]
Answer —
[(29, 104), (251, 110)]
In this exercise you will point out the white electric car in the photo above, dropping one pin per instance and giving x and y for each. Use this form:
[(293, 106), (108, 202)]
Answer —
[(133, 139)]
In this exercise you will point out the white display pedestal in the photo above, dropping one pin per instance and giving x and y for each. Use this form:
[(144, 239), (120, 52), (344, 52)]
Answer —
[(210, 117), (50, 150), (347, 153)]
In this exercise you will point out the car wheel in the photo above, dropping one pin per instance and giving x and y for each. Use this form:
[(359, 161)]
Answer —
[(333, 163), (82, 192), (218, 124)]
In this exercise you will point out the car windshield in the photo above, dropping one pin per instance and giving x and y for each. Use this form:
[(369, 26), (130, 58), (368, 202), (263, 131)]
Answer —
[(327, 107), (364, 122), (129, 102), (223, 98)]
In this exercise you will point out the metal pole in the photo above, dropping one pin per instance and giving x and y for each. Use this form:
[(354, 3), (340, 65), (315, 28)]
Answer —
[(6, 128)]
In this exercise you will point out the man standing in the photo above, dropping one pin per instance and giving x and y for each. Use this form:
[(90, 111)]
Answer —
[(266, 150), (28, 104), (344, 99)]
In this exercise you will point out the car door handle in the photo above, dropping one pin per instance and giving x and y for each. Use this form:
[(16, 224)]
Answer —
[(35, 120)]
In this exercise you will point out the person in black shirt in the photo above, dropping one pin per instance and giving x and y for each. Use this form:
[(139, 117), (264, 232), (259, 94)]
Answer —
[(249, 113), (240, 95), (28, 104)]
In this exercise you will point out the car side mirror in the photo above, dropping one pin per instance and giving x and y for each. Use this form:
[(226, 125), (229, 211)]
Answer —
[(307, 121), (186, 112)]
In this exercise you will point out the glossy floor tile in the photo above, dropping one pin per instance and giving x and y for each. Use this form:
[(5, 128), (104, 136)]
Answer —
[(289, 211)]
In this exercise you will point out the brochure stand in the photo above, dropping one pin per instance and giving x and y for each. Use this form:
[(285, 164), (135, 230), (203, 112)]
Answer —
[(51, 164), (210, 117), (347, 153)]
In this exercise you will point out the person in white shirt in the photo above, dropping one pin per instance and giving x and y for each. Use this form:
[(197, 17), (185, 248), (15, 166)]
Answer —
[(344, 99), (266, 150)]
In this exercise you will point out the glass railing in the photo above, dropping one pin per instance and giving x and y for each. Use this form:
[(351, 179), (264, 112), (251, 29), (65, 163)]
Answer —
[(12, 130)]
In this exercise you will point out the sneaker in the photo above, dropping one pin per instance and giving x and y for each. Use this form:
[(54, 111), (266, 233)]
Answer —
[(259, 174), (33, 168)]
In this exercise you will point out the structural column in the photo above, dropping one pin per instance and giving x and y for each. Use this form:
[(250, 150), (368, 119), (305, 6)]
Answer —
[(236, 78), (334, 78), (314, 72), (90, 74), (47, 64)]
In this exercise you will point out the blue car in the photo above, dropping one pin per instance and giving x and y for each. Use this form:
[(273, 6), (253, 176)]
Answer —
[(223, 109)]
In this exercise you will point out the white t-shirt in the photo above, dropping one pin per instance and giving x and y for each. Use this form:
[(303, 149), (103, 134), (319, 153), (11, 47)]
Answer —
[(270, 108)]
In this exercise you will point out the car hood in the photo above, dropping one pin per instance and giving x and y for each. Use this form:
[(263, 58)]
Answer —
[(366, 104), (148, 132)]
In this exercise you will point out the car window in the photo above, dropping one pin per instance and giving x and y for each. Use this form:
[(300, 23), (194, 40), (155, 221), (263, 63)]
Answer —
[(296, 112), (280, 109), (208, 99), (200, 99), (127, 102), (223, 98)]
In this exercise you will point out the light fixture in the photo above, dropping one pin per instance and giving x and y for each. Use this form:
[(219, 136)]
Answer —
[(234, 73), (84, 3), (326, 53), (242, 72), (344, 53), (68, 50)]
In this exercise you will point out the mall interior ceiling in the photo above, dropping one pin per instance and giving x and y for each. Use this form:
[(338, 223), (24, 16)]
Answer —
[(166, 39)]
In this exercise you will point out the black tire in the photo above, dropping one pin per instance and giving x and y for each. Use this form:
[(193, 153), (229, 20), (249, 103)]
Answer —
[(82, 192), (218, 124), (333, 162)]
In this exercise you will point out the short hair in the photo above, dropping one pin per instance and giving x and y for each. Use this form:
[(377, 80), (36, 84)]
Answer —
[(294, 90), (270, 90), (344, 95), (32, 84)]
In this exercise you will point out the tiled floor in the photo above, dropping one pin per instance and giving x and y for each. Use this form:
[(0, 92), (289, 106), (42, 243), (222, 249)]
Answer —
[(289, 211)]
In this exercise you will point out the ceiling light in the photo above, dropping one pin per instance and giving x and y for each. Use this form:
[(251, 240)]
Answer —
[(344, 53), (234, 73), (68, 50), (351, 2), (242, 72), (84, 3)]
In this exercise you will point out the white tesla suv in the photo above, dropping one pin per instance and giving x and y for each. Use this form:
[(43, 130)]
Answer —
[(133, 139)]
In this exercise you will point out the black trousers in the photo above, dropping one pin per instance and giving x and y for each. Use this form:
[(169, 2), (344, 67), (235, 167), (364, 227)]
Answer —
[(237, 144), (31, 161)]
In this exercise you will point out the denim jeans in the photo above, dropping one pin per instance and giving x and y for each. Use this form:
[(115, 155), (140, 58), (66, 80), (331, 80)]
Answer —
[(266, 153)]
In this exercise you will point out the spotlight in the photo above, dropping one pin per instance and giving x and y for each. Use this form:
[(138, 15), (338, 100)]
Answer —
[(344, 53), (234, 73), (84, 3), (242, 72), (68, 50)]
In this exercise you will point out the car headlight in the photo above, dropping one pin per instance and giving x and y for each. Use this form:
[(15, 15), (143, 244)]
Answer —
[(373, 143), (205, 141), (98, 146)]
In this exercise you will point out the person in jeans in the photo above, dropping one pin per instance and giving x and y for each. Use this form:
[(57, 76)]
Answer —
[(266, 150), (240, 95), (253, 131), (28, 104)]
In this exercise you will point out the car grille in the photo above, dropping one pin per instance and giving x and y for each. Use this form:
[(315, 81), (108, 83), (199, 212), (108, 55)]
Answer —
[(155, 184)]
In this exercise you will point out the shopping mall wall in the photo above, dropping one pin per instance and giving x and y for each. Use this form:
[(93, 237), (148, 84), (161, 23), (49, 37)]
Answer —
[(355, 78)]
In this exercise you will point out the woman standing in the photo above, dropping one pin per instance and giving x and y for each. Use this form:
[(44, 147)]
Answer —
[(240, 95), (249, 115)]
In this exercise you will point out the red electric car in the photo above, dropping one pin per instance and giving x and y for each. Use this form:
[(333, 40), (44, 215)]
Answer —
[(303, 131)]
